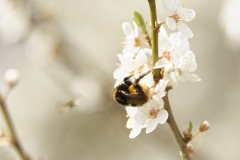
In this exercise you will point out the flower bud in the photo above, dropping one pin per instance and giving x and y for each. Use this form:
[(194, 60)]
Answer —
[(138, 19), (204, 126), (190, 148), (11, 76)]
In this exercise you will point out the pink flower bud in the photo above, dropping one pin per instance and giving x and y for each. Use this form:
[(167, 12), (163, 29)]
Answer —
[(204, 126), (190, 148)]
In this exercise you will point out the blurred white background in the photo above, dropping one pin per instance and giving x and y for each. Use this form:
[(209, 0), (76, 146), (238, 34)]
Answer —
[(66, 52)]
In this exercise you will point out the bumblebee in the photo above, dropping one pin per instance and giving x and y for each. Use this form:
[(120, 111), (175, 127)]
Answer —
[(132, 93)]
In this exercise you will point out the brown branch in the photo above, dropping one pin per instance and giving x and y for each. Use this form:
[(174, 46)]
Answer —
[(173, 125), (10, 130)]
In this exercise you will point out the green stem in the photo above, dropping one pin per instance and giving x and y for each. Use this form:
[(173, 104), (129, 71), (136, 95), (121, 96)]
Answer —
[(10, 130), (155, 29), (196, 134), (173, 125)]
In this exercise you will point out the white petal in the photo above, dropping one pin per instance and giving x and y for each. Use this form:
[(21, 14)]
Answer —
[(156, 98), (171, 23), (151, 125), (168, 7), (130, 47), (161, 94), (130, 123), (119, 73), (140, 72), (148, 80), (185, 30), (159, 104), (181, 79), (135, 132), (148, 51), (142, 115), (161, 86), (173, 79), (163, 35), (135, 29), (162, 116), (191, 77), (161, 63), (117, 83), (131, 111), (187, 14), (127, 29), (141, 57), (169, 68), (177, 4)]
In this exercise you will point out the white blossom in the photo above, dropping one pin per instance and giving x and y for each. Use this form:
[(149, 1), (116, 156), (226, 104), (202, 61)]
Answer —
[(177, 60), (150, 114), (178, 15), (132, 124), (132, 41), (131, 64)]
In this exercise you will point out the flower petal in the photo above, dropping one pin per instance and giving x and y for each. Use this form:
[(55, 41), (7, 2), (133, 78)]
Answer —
[(162, 116), (148, 79), (159, 105), (141, 58), (117, 83), (185, 30), (161, 86), (135, 29), (187, 14), (173, 78), (127, 29), (168, 7), (177, 4), (191, 77), (119, 73), (130, 123), (131, 111), (151, 125), (142, 115), (163, 35), (135, 131), (161, 63), (171, 23)]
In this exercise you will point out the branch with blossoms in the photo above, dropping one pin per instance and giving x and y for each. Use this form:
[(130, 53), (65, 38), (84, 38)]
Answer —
[(153, 65)]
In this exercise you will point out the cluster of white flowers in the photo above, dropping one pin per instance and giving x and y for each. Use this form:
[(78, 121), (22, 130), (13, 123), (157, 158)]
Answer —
[(176, 61)]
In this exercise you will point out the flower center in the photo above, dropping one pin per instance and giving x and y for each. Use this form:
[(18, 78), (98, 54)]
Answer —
[(140, 69), (176, 17), (153, 113), (137, 41), (166, 54)]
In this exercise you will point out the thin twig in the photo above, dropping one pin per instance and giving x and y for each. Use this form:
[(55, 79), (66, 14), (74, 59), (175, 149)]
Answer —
[(10, 130), (173, 125)]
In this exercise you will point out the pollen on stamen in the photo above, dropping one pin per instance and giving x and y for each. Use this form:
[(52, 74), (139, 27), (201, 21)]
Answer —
[(137, 41), (153, 113), (166, 54), (139, 70)]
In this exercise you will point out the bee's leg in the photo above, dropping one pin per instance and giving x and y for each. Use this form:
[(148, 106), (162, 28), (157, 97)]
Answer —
[(127, 80), (140, 77), (136, 85)]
